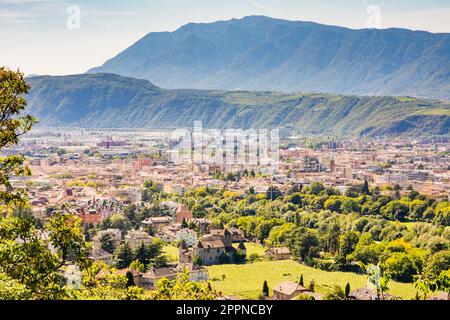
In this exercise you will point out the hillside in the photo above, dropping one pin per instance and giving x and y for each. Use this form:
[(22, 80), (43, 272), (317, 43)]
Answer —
[(261, 53), (112, 101)]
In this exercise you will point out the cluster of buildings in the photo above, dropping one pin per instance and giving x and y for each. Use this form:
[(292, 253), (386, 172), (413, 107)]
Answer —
[(77, 167), (95, 175)]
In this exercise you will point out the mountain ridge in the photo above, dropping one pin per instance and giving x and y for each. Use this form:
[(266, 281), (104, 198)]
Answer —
[(108, 101), (261, 53)]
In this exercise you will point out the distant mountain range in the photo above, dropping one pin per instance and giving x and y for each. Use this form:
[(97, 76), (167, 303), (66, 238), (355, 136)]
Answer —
[(261, 53), (107, 101)]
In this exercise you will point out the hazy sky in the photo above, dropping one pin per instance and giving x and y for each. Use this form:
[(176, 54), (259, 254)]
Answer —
[(35, 37)]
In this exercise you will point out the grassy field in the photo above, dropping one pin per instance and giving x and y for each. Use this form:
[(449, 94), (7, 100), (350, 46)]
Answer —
[(247, 280), (171, 252), (253, 248)]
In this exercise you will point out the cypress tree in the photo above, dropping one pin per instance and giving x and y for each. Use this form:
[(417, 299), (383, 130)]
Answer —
[(347, 290), (265, 290)]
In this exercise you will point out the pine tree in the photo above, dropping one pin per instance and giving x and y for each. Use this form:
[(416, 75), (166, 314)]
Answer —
[(141, 254), (124, 256), (107, 243)]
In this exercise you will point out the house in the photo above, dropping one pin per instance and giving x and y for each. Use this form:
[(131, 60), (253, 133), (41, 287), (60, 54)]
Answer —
[(210, 251), (174, 189), (158, 223), (237, 235), (287, 290), (214, 248), (282, 253), (135, 238), (187, 235), (169, 234), (196, 273), (222, 234), (175, 234), (89, 216), (137, 275), (153, 275), (102, 255), (178, 211)]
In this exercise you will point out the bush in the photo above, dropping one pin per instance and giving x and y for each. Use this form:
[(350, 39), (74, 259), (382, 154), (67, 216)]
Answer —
[(325, 265)]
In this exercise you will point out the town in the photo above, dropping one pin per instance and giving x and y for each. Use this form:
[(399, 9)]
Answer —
[(131, 198)]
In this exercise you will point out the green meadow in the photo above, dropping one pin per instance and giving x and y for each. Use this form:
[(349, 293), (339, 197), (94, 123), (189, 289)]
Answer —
[(247, 280)]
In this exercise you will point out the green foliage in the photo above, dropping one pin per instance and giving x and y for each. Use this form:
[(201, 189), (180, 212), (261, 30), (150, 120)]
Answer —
[(438, 263), (13, 124), (31, 264), (336, 294), (124, 256), (107, 243), (182, 289)]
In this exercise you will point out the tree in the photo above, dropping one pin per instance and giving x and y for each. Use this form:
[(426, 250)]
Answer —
[(182, 289), (37, 271), (107, 243), (100, 282), (348, 242), (130, 279), (124, 256), (11, 289), (273, 193), (347, 290), (13, 124), (265, 289), (336, 294), (401, 266), (136, 265), (301, 282), (436, 244), (365, 188), (303, 244), (378, 279), (443, 284), (437, 263)]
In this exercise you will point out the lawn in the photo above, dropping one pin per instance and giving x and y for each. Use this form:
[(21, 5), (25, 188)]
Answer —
[(171, 252), (247, 280), (253, 248)]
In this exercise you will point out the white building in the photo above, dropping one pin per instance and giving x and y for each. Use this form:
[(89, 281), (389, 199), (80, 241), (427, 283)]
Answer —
[(135, 238), (189, 236)]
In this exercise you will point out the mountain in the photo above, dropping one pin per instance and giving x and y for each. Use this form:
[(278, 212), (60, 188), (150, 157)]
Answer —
[(261, 53), (110, 101)]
